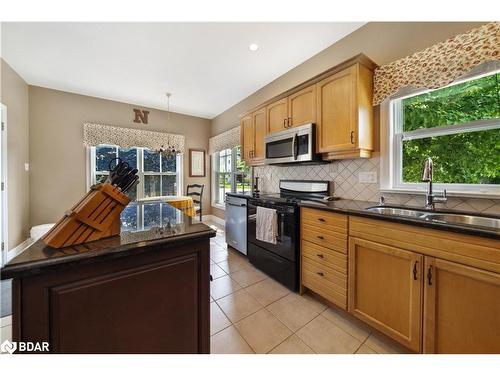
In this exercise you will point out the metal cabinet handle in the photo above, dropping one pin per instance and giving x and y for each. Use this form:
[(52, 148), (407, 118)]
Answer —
[(352, 137), (290, 122), (321, 237), (211, 278), (285, 120), (429, 275), (320, 256), (321, 219), (320, 273), (415, 270)]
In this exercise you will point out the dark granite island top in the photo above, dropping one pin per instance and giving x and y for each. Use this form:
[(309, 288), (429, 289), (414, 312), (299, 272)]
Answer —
[(143, 225)]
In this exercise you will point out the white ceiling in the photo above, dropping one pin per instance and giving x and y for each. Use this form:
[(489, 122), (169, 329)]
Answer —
[(206, 66)]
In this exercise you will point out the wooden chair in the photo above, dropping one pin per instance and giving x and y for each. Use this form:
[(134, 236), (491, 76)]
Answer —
[(195, 191)]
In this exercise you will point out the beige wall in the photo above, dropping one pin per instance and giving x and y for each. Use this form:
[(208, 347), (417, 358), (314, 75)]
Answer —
[(14, 95), (383, 42), (58, 156)]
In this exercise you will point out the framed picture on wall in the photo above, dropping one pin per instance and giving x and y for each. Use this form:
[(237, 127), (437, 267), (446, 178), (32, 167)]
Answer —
[(196, 162)]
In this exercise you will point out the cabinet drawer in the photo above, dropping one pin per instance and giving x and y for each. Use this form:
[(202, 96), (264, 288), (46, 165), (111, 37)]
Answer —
[(325, 281), (325, 256), (326, 220), (328, 239), (333, 279)]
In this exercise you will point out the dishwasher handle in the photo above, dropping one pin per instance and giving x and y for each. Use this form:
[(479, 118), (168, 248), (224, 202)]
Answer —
[(236, 205)]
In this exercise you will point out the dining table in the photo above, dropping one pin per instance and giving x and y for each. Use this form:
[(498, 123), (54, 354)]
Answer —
[(181, 202)]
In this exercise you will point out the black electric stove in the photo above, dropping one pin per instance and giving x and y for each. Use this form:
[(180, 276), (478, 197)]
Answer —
[(281, 260)]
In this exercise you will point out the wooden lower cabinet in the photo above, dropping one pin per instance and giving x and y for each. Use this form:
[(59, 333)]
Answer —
[(385, 289), (461, 309)]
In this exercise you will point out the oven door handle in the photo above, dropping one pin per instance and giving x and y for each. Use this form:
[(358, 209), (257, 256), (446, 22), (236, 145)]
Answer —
[(295, 149)]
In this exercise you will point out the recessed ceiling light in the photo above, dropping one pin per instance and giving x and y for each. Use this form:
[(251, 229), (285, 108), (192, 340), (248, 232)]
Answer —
[(253, 47)]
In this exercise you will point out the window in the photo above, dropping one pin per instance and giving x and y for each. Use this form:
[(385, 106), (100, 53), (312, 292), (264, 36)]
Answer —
[(230, 174), (459, 127), (158, 176)]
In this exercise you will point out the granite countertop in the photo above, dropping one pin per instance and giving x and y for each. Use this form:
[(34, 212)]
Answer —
[(358, 208), (143, 225)]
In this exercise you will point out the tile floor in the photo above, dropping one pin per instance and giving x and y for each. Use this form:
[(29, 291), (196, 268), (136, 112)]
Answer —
[(252, 313)]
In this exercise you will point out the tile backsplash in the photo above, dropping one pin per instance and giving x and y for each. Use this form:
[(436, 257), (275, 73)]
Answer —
[(345, 177)]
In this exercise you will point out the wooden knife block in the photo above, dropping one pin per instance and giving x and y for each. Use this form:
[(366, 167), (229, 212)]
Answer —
[(95, 216)]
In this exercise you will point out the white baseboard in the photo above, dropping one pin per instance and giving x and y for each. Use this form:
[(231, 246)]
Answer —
[(19, 249), (214, 218)]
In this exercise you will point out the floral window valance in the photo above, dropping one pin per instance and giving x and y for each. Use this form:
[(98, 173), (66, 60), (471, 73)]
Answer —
[(228, 139), (439, 65), (97, 134)]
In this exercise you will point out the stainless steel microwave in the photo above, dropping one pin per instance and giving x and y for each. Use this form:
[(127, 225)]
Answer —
[(293, 145)]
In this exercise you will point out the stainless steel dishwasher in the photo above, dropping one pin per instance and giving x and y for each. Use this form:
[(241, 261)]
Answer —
[(236, 223)]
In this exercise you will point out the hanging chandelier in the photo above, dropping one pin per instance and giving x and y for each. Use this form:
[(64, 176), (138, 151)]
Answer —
[(169, 151)]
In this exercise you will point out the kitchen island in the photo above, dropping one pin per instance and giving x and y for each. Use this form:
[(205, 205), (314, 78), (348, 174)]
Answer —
[(144, 291)]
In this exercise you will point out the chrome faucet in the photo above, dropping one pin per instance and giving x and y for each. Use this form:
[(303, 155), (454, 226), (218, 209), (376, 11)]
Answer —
[(430, 197)]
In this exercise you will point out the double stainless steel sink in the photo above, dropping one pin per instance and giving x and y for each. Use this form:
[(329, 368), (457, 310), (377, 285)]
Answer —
[(439, 217)]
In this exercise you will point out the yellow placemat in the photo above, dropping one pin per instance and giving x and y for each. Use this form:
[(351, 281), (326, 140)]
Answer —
[(183, 203)]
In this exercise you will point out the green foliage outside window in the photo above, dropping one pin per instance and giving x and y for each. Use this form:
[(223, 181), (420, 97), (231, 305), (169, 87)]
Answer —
[(465, 158)]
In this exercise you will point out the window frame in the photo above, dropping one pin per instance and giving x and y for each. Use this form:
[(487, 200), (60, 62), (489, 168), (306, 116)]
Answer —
[(391, 163), (92, 173), (233, 173)]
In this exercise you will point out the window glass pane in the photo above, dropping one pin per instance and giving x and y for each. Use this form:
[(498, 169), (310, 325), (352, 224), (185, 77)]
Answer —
[(100, 178), (151, 186), (168, 185), (129, 217), (466, 158), (151, 161), (103, 155), (469, 101), (128, 155), (228, 163), (132, 193), (168, 213), (151, 215), (169, 164), (242, 183), (240, 164)]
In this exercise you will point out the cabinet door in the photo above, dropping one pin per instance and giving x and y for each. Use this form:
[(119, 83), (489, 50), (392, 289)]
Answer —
[(461, 309), (302, 107), (259, 127), (277, 114), (336, 117), (247, 137), (385, 289)]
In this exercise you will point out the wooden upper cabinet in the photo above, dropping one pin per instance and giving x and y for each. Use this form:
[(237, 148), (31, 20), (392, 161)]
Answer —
[(338, 101), (247, 137), (385, 289), (302, 107), (277, 115), (259, 127), (345, 114), (461, 309)]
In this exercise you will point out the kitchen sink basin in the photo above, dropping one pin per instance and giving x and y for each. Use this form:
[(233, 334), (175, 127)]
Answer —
[(480, 221), (396, 211), (439, 217)]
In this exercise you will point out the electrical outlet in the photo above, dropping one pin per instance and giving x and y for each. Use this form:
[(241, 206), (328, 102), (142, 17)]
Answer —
[(27, 167), (368, 177)]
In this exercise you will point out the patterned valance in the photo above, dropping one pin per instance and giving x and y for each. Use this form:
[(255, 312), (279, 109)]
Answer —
[(228, 139), (439, 65), (97, 134)]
